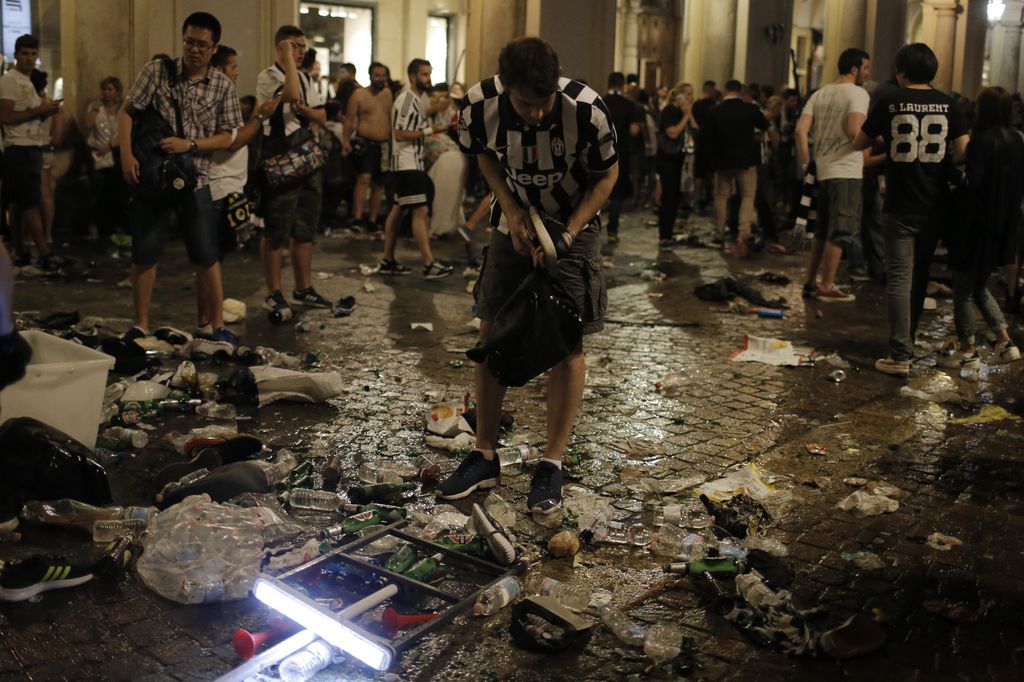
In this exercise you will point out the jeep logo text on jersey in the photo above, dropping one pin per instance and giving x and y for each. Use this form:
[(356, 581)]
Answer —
[(539, 179)]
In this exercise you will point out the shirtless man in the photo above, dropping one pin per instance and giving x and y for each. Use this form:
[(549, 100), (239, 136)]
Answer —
[(369, 118)]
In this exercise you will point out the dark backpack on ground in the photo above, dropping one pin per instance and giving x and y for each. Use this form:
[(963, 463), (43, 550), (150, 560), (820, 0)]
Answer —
[(163, 177)]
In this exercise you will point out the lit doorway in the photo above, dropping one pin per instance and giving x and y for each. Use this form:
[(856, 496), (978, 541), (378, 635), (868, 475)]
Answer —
[(339, 33)]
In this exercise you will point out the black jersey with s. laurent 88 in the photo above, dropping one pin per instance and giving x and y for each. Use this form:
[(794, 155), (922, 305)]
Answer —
[(547, 166), (918, 127)]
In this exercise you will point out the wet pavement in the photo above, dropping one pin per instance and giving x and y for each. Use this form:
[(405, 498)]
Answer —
[(963, 480)]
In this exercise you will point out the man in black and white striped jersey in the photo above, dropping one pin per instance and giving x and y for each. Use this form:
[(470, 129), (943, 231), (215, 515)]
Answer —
[(412, 187), (545, 142)]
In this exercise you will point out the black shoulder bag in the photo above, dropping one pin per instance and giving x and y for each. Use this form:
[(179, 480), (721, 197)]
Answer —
[(162, 177)]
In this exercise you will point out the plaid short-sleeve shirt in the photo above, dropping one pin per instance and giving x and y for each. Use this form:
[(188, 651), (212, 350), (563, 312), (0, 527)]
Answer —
[(208, 105)]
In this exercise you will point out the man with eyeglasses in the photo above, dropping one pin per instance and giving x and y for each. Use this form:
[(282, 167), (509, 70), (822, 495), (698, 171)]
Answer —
[(291, 212), (209, 111)]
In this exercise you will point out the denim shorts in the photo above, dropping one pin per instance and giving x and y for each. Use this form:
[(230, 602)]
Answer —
[(198, 219), (580, 273)]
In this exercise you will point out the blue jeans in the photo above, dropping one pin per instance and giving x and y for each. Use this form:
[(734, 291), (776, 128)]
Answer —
[(910, 242), (198, 219), (969, 290)]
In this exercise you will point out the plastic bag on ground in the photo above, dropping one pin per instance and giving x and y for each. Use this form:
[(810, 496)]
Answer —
[(863, 503), (775, 352), (200, 551), (275, 383), (38, 462), (744, 480)]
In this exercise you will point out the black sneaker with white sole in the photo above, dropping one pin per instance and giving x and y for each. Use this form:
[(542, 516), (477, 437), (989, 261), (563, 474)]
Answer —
[(392, 267), (437, 270), (475, 473), (546, 489), (21, 580), (311, 298)]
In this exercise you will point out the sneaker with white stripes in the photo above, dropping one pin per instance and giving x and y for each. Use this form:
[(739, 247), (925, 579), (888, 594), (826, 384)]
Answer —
[(437, 270)]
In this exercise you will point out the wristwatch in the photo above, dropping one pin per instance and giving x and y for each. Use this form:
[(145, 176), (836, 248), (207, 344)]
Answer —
[(193, 147), (259, 117)]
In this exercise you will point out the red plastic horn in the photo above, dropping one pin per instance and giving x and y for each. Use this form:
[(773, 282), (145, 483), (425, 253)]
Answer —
[(393, 621), (246, 642)]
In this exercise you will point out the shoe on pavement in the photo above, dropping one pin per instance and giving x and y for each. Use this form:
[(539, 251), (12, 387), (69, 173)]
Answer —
[(475, 472), (1007, 352), (52, 263), (201, 349), (135, 332), (437, 270), (834, 295), (809, 290), (897, 368), (21, 580), (205, 329), (392, 267), (546, 489), (613, 239), (276, 304), (668, 244), (225, 335), (311, 298), (175, 337)]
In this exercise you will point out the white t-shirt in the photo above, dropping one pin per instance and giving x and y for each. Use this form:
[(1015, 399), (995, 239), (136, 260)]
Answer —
[(16, 86), (228, 170), (833, 149), (269, 82)]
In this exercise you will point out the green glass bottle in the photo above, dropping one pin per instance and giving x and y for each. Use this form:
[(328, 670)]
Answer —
[(364, 494), (357, 522), (465, 543), (726, 565), (425, 569), (402, 559)]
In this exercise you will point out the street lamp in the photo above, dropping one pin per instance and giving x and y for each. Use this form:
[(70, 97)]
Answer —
[(995, 10)]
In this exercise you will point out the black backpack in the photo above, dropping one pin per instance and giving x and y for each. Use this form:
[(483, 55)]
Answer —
[(163, 177)]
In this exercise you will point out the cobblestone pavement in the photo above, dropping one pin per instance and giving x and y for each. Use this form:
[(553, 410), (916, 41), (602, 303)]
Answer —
[(960, 479)]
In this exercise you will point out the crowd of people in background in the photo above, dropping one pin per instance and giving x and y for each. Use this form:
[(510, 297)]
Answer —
[(873, 173)]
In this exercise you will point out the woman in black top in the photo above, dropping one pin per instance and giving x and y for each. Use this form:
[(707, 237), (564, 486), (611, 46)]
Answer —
[(987, 238), (673, 121)]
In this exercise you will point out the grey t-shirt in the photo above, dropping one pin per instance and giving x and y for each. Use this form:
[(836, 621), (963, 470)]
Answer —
[(834, 154)]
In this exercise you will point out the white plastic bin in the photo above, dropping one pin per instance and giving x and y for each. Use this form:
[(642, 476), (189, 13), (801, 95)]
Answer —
[(63, 387)]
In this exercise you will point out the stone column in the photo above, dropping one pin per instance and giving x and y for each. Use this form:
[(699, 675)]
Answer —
[(627, 59), (1005, 49), (941, 37), (970, 48)]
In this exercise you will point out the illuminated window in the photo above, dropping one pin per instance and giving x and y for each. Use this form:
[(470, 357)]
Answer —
[(339, 34), (438, 35)]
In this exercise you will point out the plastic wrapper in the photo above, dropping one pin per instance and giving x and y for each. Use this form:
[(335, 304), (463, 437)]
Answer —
[(200, 551)]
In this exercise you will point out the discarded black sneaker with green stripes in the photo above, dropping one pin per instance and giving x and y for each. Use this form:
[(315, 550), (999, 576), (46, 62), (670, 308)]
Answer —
[(24, 579)]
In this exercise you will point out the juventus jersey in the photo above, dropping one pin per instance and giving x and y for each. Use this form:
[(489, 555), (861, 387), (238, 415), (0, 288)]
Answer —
[(408, 113), (547, 166)]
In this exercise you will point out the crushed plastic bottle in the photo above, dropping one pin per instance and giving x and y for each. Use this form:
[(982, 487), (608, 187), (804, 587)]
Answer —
[(694, 517), (664, 642), (618, 533), (110, 530), (385, 471), (498, 596), (501, 510), (185, 480), (136, 438), (622, 627), (235, 586)]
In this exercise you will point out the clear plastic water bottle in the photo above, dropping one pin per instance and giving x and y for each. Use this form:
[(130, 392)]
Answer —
[(498, 596), (622, 627), (307, 662), (75, 514), (320, 500), (108, 531), (751, 587), (571, 597), (185, 480), (138, 438), (386, 472), (513, 458), (215, 410)]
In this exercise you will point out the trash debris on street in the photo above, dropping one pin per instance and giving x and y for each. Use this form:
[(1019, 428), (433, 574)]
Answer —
[(776, 352)]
